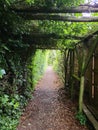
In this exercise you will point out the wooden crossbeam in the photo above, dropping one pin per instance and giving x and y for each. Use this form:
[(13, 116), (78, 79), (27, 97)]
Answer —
[(80, 9), (58, 18)]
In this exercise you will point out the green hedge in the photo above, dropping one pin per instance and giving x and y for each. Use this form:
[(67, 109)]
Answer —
[(39, 65), (58, 64)]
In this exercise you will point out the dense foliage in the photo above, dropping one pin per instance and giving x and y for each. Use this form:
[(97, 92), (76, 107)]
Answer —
[(58, 3), (21, 65), (58, 64), (39, 65)]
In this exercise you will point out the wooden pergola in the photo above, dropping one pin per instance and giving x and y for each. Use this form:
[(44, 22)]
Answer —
[(57, 14)]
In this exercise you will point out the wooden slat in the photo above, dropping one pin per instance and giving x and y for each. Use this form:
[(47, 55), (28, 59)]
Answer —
[(90, 117)]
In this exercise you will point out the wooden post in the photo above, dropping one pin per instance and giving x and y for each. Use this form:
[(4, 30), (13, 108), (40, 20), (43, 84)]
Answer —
[(72, 72), (85, 63), (82, 82), (66, 65)]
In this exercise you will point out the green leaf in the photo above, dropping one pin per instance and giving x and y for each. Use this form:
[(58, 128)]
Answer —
[(16, 105), (8, 2), (5, 47)]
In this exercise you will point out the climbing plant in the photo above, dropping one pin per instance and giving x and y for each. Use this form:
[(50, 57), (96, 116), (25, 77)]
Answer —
[(21, 64)]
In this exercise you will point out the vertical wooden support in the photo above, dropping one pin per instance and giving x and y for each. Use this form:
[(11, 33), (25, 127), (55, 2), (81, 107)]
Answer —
[(66, 57), (96, 80), (81, 94), (72, 72), (85, 63)]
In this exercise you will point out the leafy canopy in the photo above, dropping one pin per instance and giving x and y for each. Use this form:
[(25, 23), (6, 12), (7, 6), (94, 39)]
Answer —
[(57, 3)]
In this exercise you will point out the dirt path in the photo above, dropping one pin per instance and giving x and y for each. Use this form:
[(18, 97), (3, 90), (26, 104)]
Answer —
[(49, 109)]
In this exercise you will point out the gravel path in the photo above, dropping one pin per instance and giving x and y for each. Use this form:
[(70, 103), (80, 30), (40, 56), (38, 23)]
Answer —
[(50, 108)]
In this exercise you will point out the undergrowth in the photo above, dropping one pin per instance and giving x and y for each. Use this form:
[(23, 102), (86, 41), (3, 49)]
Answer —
[(14, 95), (82, 118), (10, 111)]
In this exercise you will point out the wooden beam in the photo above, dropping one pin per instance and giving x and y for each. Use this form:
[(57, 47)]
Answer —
[(34, 9), (90, 117), (52, 35), (58, 18)]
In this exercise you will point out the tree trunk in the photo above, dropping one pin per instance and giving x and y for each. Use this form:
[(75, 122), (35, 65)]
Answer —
[(81, 94)]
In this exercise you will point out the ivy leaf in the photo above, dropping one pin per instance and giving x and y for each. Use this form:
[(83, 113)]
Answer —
[(8, 2), (5, 47)]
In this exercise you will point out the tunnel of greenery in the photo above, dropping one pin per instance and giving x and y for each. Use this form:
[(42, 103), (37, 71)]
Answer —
[(29, 42)]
